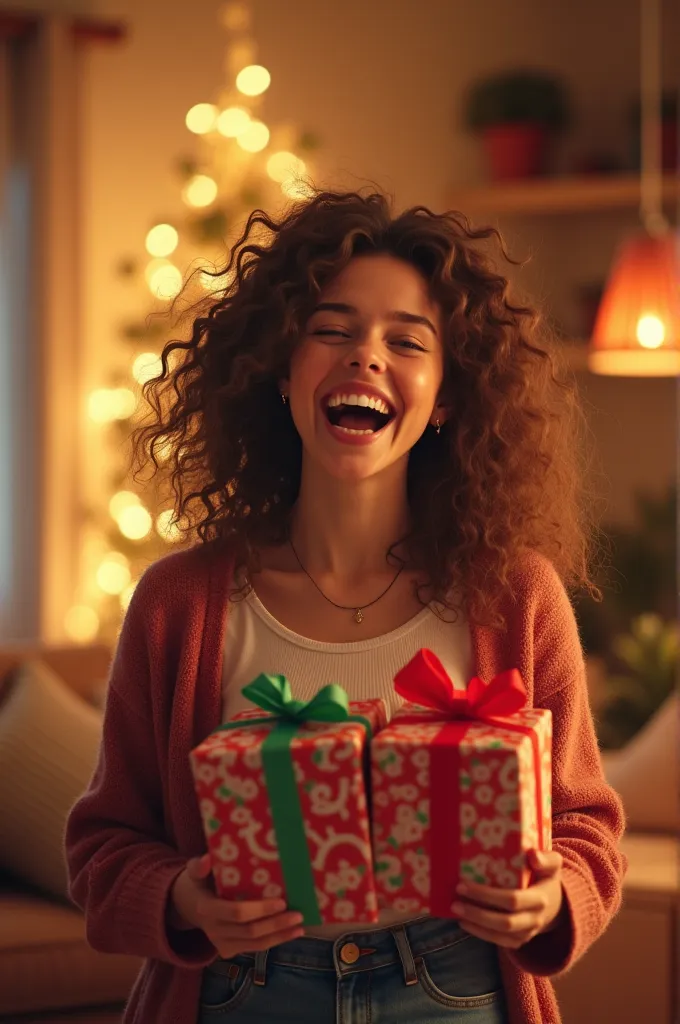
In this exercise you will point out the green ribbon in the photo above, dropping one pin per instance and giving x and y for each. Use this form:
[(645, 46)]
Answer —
[(330, 704)]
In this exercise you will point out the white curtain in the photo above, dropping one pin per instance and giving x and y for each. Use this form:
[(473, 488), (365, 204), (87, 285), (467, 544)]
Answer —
[(39, 277)]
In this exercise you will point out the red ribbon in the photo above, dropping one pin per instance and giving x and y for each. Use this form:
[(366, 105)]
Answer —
[(424, 681)]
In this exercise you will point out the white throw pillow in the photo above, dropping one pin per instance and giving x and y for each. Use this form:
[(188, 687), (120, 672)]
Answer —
[(49, 743), (645, 772)]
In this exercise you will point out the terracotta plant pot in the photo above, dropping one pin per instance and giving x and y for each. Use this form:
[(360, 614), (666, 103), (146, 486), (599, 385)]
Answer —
[(515, 150)]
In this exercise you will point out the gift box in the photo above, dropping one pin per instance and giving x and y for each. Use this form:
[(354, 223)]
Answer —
[(461, 788), (282, 795)]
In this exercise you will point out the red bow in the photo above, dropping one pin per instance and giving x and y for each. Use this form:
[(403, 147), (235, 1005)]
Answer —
[(424, 681)]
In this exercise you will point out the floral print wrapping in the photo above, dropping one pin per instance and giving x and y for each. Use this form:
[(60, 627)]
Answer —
[(494, 798), (329, 763)]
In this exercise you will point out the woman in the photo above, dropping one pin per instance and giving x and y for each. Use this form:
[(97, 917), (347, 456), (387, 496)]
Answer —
[(377, 457)]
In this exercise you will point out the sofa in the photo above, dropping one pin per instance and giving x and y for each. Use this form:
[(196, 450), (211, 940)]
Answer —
[(50, 715), (50, 710)]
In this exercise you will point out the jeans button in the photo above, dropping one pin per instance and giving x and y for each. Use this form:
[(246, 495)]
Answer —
[(349, 953)]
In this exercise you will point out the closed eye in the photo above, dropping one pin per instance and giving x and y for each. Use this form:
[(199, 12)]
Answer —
[(337, 334), (407, 343)]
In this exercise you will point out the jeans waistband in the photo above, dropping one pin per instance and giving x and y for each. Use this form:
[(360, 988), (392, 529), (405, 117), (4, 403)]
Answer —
[(364, 950)]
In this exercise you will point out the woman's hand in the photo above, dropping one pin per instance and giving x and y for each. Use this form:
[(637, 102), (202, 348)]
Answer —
[(232, 927), (512, 917)]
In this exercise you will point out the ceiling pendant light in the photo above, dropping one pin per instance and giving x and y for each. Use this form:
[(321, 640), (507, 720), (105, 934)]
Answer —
[(637, 329)]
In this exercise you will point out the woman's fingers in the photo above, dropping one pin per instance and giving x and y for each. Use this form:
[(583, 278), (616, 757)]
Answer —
[(198, 868), (508, 940), (241, 912), (262, 927), (503, 899), (544, 863), (497, 921), (231, 947)]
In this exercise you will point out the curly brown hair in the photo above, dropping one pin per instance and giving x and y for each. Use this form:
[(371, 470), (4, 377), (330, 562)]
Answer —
[(507, 474)]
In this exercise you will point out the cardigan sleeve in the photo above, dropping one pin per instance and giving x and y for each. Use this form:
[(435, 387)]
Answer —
[(588, 819), (120, 864)]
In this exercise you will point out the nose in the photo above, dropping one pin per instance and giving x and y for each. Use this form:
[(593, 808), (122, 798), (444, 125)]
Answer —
[(366, 353)]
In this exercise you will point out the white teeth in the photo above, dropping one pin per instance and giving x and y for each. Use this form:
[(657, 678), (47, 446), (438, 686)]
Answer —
[(361, 400), (349, 430)]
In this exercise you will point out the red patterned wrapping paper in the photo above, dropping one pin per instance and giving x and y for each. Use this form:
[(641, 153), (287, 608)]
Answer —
[(493, 804), (329, 762)]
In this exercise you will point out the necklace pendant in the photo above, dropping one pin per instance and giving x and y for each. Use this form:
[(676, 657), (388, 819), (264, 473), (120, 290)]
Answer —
[(358, 615)]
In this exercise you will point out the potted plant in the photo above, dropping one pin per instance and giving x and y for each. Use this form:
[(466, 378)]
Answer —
[(517, 114), (647, 656)]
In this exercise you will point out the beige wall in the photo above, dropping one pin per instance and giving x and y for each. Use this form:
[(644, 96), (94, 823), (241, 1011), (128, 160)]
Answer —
[(381, 81)]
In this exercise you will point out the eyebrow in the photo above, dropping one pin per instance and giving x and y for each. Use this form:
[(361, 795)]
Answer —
[(398, 314)]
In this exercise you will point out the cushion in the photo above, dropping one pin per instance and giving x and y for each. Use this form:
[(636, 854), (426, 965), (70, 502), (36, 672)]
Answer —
[(46, 963), (49, 742), (645, 772)]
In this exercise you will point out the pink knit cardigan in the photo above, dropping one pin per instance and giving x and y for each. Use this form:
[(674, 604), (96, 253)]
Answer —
[(129, 835)]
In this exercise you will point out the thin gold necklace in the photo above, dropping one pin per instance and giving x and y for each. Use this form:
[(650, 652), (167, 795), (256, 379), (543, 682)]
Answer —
[(358, 613)]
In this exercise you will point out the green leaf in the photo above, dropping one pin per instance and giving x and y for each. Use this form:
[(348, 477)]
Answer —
[(309, 785), (211, 227), (421, 817), (309, 142), (127, 267), (361, 868), (469, 832), (317, 756), (381, 865), (341, 893), (251, 197), (143, 330), (393, 843), (186, 167), (396, 881), (224, 793)]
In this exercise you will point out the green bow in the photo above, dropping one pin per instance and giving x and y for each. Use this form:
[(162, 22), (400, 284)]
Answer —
[(330, 704), (272, 693)]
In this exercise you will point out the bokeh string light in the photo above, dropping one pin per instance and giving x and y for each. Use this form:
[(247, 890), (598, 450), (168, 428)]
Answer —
[(239, 160)]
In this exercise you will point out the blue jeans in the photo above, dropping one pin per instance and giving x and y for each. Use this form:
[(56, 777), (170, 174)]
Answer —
[(421, 973)]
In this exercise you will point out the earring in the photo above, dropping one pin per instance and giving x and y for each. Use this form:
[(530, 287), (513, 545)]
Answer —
[(438, 426), (284, 398)]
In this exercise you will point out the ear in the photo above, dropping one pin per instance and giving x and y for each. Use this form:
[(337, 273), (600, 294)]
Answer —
[(440, 412)]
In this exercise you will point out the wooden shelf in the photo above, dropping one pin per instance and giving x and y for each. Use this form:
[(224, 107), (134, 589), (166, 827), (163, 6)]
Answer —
[(588, 193)]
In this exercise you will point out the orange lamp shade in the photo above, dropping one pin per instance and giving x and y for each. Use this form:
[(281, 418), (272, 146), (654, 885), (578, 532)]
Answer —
[(637, 329)]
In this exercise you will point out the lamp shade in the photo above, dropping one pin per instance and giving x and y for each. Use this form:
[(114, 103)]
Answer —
[(637, 329)]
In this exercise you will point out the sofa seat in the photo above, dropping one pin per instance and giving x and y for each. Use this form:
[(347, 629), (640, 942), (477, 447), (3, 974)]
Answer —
[(46, 964)]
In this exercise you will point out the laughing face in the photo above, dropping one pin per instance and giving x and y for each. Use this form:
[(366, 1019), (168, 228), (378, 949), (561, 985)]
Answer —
[(366, 375)]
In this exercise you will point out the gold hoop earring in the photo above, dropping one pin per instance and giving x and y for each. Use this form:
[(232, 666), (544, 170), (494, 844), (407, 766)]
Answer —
[(438, 426)]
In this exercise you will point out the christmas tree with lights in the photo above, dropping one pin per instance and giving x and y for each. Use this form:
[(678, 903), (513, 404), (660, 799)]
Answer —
[(238, 163)]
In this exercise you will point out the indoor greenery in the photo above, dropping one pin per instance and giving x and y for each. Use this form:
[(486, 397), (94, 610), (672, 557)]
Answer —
[(634, 628), (513, 97)]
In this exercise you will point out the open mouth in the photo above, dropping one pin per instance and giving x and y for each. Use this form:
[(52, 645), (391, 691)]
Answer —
[(355, 418)]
